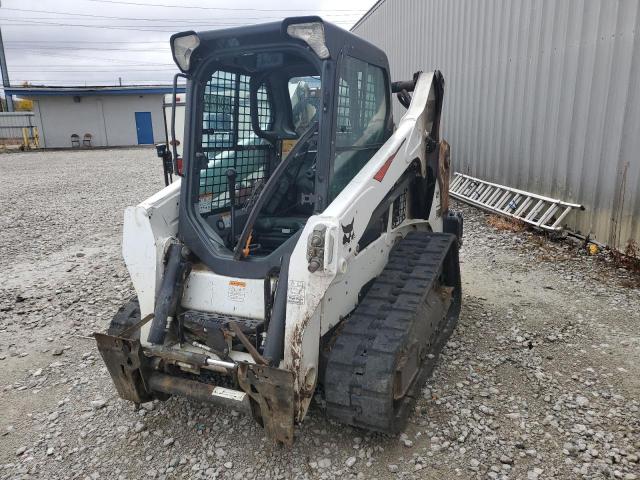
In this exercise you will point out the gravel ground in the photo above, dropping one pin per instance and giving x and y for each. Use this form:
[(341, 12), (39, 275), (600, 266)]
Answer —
[(540, 380)]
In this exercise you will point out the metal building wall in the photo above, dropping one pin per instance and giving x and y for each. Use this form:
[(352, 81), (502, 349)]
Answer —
[(12, 125), (542, 95)]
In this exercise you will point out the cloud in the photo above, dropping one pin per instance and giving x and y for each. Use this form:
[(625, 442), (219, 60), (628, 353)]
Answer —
[(98, 42)]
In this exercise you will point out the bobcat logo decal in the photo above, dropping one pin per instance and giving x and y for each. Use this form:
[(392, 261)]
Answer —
[(347, 232)]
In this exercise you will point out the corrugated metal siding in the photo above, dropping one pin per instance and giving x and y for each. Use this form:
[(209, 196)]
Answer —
[(12, 125), (542, 95)]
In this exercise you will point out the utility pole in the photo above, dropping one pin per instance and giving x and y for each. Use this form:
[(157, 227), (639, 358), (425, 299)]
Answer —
[(5, 74)]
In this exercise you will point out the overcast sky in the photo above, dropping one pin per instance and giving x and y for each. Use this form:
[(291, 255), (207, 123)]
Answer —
[(94, 42)]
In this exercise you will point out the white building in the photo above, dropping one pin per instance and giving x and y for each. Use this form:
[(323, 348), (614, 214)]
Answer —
[(103, 116)]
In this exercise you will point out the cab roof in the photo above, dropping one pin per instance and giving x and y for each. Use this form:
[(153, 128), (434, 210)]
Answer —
[(337, 40)]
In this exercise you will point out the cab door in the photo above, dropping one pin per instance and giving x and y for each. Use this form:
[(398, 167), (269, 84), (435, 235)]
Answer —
[(362, 119)]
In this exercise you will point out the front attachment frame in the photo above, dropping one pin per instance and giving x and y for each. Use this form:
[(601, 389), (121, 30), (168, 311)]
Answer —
[(127, 366), (272, 394), (270, 389)]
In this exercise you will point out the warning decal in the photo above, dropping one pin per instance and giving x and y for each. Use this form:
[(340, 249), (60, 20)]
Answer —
[(236, 291), (295, 292)]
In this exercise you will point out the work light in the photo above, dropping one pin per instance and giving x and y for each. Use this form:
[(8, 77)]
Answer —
[(312, 34), (182, 47)]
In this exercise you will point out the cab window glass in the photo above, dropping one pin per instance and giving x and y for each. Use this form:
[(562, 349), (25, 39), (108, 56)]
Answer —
[(228, 140), (305, 99), (360, 119)]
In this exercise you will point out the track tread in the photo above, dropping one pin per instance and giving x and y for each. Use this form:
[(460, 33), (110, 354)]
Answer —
[(127, 315), (359, 376)]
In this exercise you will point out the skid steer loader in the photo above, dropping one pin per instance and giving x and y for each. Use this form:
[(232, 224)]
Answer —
[(306, 248)]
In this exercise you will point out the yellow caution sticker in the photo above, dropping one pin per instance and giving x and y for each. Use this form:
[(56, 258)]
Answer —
[(287, 146), (236, 291)]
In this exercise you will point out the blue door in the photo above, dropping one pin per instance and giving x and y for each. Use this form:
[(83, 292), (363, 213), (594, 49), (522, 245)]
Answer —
[(144, 128)]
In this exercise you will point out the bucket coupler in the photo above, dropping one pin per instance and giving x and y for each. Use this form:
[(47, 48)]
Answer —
[(142, 374)]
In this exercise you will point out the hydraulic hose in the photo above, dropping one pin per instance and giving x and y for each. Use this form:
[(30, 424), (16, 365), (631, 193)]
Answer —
[(175, 273), (274, 343)]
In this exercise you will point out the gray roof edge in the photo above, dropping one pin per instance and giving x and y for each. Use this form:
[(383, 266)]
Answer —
[(94, 90), (367, 14)]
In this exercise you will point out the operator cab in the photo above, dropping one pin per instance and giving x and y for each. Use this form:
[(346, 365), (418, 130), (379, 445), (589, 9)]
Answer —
[(280, 118), (288, 91)]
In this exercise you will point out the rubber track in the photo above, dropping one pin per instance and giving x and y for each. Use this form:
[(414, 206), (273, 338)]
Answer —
[(127, 315), (361, 365)]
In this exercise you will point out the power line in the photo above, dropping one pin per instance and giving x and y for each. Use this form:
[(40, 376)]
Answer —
[(165, 79), (44, 24), (34, 23), (84, 41), (175, 25), (163, 5), (62, 68), (93, 49), (154, 28), (89, 15), (134, 64), (71, 63), (85, 82), (177, 22), (91, 68)]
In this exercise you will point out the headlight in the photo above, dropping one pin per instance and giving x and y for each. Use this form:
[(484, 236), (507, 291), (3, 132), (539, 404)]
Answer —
[(312, 34), (315, 248), (182, 48)]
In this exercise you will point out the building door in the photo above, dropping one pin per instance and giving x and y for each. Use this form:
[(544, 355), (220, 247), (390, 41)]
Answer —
[(144, 128)]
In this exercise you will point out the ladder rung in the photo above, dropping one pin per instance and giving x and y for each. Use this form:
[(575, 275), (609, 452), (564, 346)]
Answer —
[(556, 224), (469, 189), (464, 184), (486, 193), (456, 181), (481, 190), (534, 211), (514, 200), (493, 197), (547, 215), (459, 184), (503, 199), (523, 207)]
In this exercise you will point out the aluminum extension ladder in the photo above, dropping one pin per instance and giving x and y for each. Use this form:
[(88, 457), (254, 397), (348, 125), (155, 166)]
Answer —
[(542, 212)]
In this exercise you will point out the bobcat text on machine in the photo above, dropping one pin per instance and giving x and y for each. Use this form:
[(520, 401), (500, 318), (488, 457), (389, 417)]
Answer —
[(307, 243)]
